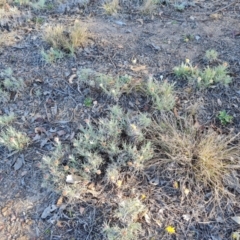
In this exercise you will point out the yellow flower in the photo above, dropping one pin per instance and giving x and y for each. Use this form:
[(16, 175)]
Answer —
[(119, 183), (170, 230), (235, 236), (134, 127), (143, 196), (175, 185), (187, 60)]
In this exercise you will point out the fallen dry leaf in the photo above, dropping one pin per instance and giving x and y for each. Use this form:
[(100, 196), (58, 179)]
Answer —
[(60, 201), (219, 102), (81, 210), (140, 21), (60, 224), (70, 80), (47, 211), (19, 163)]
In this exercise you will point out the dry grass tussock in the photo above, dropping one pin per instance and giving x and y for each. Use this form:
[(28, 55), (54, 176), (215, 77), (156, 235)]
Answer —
[(7, 39), (111, 7), (207, 155), (6, 10), (149, 6), (59, 38)]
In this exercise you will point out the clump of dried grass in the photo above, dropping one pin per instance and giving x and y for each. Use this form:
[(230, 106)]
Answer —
[(149, 6), (111, 7), (205, 153), (59, 38), (7, 39), (7, 11)]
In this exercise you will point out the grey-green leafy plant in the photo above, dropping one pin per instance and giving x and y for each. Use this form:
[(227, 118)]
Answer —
[(129, 209), (180, 6), (52, 55), (102, 144), (127, 212), (130, 232), (185, 70), (206, 77), (211, 55), (210, 76), (162, 94), (13, 139), (4, 96), (224, 117), (6, 119), (9, 84), (112, 86)]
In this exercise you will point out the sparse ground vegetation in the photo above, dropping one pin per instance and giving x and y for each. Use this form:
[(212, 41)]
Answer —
[(13, 139), (60, 39), (111, 7), (224, 117), (211, 55), (207, 155), (9, 84), (104, 135), (203, 78)]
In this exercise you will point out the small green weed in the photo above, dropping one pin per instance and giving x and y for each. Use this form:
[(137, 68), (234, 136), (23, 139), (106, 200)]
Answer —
[(47, 231), (188, 38), (88, 102), (49, 6), (38, 20), (224, 117)]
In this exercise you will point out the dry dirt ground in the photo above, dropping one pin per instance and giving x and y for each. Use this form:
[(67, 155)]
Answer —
[(130, 43)]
